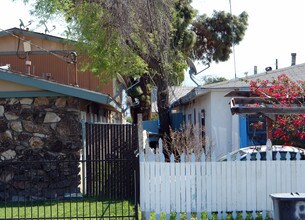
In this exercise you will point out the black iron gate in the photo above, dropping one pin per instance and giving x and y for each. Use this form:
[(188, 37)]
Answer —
[(111, 172), (103, 184)]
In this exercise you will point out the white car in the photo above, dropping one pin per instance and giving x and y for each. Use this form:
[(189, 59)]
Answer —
[(262, 149)]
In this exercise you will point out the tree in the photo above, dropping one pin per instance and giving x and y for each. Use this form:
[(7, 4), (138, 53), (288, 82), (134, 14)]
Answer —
[(213, 79), (287, 129), (149, 38), (217, 34)]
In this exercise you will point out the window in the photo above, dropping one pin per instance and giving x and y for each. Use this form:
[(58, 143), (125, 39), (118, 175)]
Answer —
[(256, 136), (189, 118)]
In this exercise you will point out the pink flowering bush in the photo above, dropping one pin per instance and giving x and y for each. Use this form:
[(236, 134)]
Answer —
[(287, 129)]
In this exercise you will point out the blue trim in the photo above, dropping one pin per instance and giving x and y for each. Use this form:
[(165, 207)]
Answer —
[(243, 131), (19, 94), (59, 88)]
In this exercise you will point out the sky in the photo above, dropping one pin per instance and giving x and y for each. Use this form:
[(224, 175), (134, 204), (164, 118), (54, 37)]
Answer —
[(274, 32), (11, 12)]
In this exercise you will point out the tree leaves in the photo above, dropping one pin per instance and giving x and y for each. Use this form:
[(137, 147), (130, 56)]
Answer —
[(217, 34)]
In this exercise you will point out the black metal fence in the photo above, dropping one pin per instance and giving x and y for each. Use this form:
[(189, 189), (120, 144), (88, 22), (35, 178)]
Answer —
[(112, 166), (111, 160), (102, 185), (50, 190)]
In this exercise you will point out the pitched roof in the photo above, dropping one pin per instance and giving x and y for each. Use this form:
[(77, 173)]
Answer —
[(29, 33), (296, 72), (58, 88), (175, 93)]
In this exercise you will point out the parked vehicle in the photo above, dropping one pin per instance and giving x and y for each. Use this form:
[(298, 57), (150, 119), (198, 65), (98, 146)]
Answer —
[(262, 149)]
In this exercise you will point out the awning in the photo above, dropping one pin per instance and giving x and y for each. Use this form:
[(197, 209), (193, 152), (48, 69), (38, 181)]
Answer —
[(255, 105)]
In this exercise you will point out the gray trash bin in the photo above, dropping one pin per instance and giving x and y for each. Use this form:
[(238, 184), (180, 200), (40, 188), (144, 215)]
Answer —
[(288, 206)]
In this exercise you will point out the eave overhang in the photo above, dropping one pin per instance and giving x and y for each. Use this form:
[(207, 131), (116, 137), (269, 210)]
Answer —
[(59, 88), (190, 96), (254, 105)]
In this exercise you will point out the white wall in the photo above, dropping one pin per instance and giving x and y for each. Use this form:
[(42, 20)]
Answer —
[(235, 132), (221, 122), (221, 127)]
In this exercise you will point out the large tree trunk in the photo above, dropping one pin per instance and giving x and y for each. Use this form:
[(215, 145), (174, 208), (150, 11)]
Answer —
[(161, 79), (163, 107)]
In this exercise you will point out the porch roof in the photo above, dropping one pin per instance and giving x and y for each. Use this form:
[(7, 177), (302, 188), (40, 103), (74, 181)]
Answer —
[(251, 104), (58, 88)]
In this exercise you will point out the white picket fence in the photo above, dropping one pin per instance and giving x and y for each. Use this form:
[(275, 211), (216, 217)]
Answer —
[(220, 187)]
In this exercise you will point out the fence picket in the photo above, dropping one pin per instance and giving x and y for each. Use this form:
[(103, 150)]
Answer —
[(260, 192), (208, 179), (173, 185), (158, 184), (213, 186), (193, 185), (287, 168), (271, 182), (229, 186), (167, 184), (302, 176), (178, 189), (142, 174), (278, 171), (223, 184), (183, 184), (209, 186), (188, 187), (232, 206), (153, 185), (198, 189), (293, 173), (147, 189), (264, 184), (251, 190), (242, 189)]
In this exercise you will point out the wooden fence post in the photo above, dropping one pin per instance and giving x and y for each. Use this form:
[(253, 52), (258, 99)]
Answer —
[(140, 133), (141, 149)]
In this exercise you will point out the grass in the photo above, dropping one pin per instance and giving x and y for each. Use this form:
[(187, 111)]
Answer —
[(71, 209), (89, 207)]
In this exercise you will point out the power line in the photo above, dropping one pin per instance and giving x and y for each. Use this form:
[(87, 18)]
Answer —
[(233, 46)]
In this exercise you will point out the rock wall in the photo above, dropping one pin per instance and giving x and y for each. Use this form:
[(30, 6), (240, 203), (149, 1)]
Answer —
[(40, 142)]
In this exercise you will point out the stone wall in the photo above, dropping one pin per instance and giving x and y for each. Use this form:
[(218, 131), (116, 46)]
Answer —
[(40, 142)]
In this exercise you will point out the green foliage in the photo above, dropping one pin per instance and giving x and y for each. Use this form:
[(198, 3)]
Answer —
[(154, 37), (182, 41), (98, 33), (183, 37), (90, 24), (217, 34), (213, 79), (100, 39)]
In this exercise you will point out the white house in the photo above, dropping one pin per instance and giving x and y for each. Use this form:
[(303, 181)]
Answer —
[(208, 106)]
